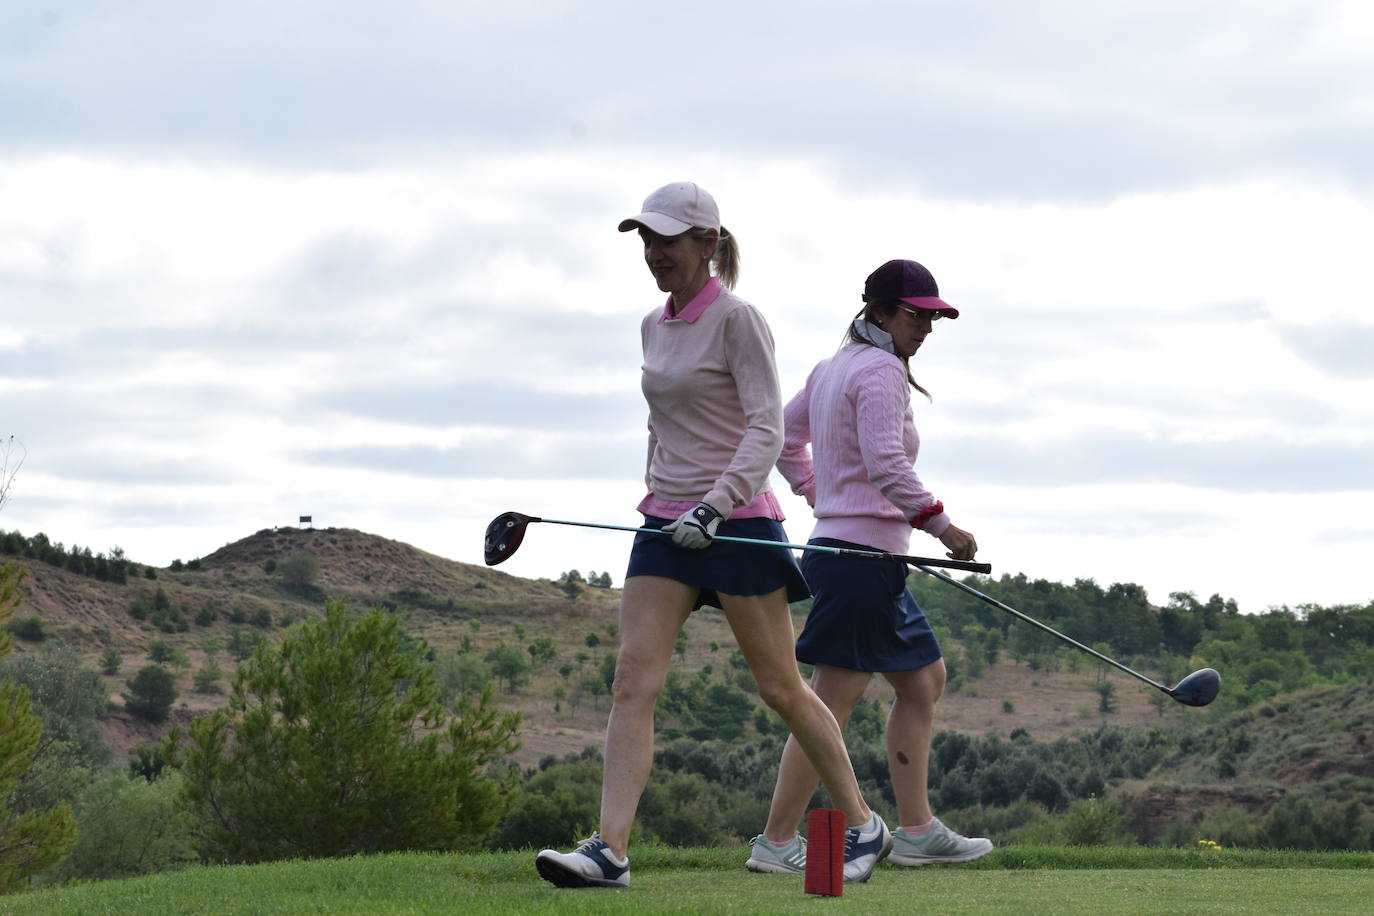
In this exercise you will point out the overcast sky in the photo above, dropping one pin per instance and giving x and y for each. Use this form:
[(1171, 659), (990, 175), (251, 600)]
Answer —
[(359, 260)]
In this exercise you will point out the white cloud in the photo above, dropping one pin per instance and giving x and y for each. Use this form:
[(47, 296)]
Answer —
[(362, 264)]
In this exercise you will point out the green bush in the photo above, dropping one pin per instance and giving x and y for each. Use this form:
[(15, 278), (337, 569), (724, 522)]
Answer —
[(276, 773), (129, 827), (111, 661), (151, 693), (1094, 822), (29, 629)]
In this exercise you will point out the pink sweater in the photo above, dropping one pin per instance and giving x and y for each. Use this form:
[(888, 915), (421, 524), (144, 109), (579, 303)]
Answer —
[(715, 409), (855, 412)]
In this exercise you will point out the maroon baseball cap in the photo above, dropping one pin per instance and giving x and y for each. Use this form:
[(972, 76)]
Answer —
[(909, 282)]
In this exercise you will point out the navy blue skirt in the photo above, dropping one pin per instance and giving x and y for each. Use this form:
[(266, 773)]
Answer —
[(735, 569), (862, 616)]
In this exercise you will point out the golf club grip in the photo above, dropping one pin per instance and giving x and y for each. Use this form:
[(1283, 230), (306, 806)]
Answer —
[(966, 565)]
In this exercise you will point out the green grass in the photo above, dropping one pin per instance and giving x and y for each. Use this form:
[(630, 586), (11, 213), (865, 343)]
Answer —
[(1020, 880)]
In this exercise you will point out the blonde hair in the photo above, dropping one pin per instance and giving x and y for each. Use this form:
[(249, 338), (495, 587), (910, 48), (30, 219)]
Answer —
[(726, 259)]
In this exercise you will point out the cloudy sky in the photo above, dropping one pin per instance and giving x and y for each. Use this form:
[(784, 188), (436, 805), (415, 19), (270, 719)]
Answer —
[(358, 260)]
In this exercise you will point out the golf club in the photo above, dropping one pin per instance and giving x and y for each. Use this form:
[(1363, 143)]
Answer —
[(1197, 689), (507, 530)]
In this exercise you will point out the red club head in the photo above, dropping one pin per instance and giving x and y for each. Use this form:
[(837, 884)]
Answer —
[(504, 535)]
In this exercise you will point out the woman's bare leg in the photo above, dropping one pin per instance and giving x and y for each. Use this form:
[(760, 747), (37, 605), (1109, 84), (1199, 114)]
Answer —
[(839, 689), (763, 627), (910, 725), (652, 611)]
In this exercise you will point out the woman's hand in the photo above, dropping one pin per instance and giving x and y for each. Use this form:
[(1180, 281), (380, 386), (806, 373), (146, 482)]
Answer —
[(961, 544), (695, 528)]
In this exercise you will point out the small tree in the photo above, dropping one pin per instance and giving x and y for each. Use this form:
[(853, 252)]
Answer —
[(299, 569), (151, 693), (35, 840), (507, 664), (242, 643), (334, 744), (542, 650), (110, 661), (1106, 698), (207, 677)]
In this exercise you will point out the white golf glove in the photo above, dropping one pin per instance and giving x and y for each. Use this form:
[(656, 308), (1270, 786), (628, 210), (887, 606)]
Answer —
[(696, 527)]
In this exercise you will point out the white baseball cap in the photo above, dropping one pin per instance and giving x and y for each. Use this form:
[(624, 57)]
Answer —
[(675, 208)]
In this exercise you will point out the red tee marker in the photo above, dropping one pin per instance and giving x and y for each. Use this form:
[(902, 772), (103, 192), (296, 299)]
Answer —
[(825, 852)]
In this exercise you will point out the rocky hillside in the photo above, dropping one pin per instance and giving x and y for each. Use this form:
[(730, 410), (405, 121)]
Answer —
[(1320, 742)]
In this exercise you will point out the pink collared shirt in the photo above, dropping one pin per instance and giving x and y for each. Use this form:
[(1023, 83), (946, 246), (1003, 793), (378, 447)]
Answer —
[(715, 408)]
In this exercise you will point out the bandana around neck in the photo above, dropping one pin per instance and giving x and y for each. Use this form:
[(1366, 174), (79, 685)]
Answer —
[(874, 335)]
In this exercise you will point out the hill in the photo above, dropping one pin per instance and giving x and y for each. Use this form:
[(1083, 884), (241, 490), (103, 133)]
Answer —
[(1317, 745), (243, 587)]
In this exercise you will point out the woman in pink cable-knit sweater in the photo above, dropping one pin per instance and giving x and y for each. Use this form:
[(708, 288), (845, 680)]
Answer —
[(855, 414)]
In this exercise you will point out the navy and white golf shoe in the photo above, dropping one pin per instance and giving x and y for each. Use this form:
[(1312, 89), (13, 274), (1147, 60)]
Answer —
[(591, 864)]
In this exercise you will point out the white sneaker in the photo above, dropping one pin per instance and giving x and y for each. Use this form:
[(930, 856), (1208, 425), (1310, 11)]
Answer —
[(864, 848), (780, 860), (940, 844), (591, 864)]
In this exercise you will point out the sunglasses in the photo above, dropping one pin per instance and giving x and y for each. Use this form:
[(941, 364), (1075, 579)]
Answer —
[(932, 314)]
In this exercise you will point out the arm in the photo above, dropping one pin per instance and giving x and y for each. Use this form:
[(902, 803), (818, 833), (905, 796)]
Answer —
[(749, 356), (882, 402), (882, 416), (794, 463), (649, 461)]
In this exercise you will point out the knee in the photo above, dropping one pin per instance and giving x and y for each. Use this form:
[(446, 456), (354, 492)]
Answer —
[(934, 680), (925, 688), (635, 682), (782, 695)]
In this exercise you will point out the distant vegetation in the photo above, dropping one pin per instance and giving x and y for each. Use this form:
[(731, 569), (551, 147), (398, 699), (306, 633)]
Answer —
[(714, 776), (1261, 655), (311, 695), (114, 567)]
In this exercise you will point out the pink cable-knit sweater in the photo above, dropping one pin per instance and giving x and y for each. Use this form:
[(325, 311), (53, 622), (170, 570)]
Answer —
[(855, 412), (715, 408)]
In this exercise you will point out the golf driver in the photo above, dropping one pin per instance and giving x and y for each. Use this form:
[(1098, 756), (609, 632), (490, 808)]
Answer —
[(507, 530), (1197, 689)]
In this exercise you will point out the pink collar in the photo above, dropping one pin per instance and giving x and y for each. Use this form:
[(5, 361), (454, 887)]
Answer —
[(709, 293)]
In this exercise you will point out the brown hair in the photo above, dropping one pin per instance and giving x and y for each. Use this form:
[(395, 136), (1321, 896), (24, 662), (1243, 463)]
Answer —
[(872, 312)]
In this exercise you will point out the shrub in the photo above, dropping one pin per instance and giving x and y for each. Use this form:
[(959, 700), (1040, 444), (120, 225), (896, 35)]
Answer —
[(1093, 822), (299, 569), (129, 827), (276, 773), (207, 677), (29, 629), (35, 840), (151, 693), (110, 661)]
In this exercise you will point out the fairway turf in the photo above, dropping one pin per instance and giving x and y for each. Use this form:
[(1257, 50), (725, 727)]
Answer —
[(715, 881)]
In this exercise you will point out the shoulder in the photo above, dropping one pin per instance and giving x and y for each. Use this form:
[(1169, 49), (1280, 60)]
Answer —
[(739, 317), (867, 362), (731, 305)]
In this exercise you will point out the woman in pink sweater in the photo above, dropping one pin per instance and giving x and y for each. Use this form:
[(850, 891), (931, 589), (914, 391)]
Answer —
[(855, 414), (715, 432)]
